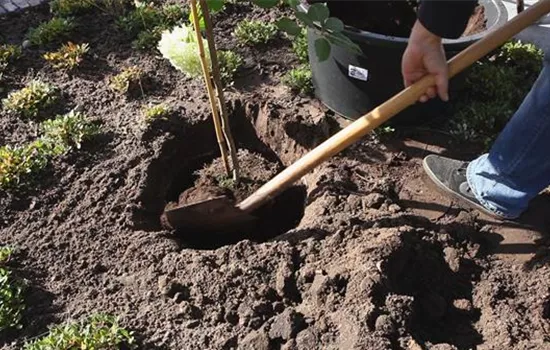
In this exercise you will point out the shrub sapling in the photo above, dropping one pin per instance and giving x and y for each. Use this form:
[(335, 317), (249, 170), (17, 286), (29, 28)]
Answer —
[(229, 62), (69, 56), (155, 112), (97, 332), (299, 80), (253, 32), (55, 29), (129, 81), (31, 100), (11, 294)]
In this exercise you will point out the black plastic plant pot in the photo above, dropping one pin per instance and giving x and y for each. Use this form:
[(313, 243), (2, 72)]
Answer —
[(351, 85)]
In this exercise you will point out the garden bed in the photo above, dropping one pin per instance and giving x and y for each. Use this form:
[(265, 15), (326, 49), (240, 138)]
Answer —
[(361, 254)]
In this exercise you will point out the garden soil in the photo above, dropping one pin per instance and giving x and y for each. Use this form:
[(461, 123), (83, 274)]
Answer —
[(365, 254)]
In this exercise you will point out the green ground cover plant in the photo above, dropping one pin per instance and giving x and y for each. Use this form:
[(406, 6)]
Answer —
[(53, 30), (253, 32), (31, 100), (18, 164), (299, 80), (494, 90), (64, 8), (97, 332), (69, 56), (11, 294), (156, 112), (128, 80)]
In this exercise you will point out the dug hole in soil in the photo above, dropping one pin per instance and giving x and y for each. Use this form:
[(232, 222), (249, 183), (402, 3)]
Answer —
[(345, 262)]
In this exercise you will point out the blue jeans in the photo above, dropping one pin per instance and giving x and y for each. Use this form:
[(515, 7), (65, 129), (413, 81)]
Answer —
[(517, 167)]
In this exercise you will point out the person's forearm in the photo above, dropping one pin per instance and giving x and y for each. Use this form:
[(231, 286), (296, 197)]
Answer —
[(446, 18), (420, 35)]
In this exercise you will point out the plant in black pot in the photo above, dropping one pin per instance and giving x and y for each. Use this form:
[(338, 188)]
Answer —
[(352, 82)]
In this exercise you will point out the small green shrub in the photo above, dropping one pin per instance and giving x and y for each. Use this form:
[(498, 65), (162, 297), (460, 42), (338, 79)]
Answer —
[(299, 47), (11, 294), (147, 22), (9, 53), (128, 80), (173, 14), (97, 332), (147, 39), (229, 62), (68, 131), (143, 17), (69, 56), (495, 88), (64, 8), (522, 56), (299, 80), (31, 100), (59, 136), (155, 112), (114, 7), (253, 32), (54, 30), (16, 163)]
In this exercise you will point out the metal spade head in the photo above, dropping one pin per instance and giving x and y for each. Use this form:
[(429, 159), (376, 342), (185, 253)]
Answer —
[(215, 214)]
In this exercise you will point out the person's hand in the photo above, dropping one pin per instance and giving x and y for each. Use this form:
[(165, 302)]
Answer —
[(425, 55)]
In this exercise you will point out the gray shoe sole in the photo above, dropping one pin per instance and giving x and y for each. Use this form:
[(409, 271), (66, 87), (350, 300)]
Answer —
[(462, 201)]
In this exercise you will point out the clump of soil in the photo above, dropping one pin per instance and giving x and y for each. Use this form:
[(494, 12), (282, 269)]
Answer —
[(394, 18), (213, 180)]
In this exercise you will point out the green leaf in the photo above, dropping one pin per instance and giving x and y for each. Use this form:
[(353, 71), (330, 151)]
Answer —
[(318, 12), (202, 23), (288, 26), (304, 18), (266, 4), (334, 24), (322, 49), (293, 3), (215, 5), (342, 40)]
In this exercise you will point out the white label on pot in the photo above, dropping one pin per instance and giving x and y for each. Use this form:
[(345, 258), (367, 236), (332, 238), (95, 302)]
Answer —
[(358, 73)]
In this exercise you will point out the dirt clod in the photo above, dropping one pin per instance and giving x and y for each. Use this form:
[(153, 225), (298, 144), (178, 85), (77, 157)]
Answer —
[(286, 325), (463, 305), (384, 324), (255, 340), (452, 257), (374, 200)]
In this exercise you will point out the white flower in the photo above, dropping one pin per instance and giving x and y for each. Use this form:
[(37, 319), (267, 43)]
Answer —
[(180, 47)]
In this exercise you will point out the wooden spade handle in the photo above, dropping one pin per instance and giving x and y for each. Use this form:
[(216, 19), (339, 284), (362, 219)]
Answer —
[(385, 111)]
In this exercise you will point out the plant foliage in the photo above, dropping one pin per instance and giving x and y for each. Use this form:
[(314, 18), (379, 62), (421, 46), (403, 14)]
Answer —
[(59, 136), (69, 56), (11, 294), (494, 89), (31, 100), (97, 332), (55, 29), (180, 47), (64, 8), (253, 32), (299, 80), (229, 62), (127, 80)]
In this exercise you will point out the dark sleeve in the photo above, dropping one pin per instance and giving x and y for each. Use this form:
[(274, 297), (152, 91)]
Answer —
[(446, 18)]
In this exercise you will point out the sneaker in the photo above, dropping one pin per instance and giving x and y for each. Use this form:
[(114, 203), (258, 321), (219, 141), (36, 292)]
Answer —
[(450, 176)]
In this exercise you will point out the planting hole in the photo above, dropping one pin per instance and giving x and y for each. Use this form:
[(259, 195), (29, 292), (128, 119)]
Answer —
[(190, 169), (210, 180)]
